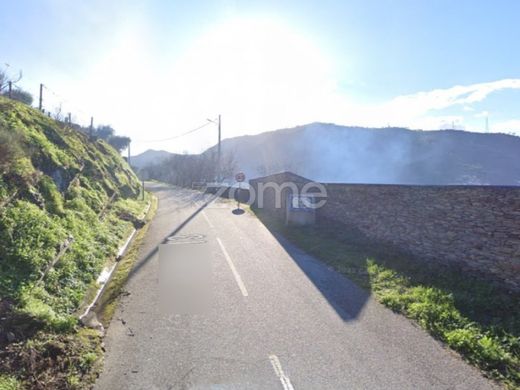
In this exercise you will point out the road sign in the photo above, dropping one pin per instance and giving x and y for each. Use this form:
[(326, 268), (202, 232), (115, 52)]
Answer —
[(240, 177)]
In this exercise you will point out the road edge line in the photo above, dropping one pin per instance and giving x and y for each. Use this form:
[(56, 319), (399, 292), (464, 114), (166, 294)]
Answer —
[(238, 279)]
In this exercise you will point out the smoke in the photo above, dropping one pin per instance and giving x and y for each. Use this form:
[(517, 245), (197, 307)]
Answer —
[(355, 154), (331, 153)]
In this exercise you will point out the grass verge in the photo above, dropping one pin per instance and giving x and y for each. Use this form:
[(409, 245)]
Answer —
[(67, 201), (476, 318), (44, 355)]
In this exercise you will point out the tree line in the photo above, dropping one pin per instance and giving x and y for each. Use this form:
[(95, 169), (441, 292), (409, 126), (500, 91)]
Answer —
[(187, 169), (107, 133)]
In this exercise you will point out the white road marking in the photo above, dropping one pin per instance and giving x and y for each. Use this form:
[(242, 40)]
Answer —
[(286, 382), (233, 269), (207, 219)]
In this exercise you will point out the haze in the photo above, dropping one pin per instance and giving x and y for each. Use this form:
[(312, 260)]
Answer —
[(154, 70)]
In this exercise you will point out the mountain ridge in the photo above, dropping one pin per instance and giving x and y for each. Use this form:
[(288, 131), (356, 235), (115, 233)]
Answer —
[(331, 153)]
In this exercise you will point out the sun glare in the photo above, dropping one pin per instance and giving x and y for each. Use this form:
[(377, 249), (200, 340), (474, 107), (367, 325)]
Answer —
[(253, 68)]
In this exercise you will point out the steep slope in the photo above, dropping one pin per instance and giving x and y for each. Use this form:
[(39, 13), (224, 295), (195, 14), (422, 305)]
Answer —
[(331, 153), (66, 204)]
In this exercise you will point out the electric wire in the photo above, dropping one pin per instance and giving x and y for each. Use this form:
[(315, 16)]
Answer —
[(176, 136)]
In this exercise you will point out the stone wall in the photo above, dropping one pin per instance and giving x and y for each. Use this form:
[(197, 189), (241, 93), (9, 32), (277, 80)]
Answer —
[(475, 227)]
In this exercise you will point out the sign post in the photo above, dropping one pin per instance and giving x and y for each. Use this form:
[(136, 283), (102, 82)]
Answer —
[(239, 177)]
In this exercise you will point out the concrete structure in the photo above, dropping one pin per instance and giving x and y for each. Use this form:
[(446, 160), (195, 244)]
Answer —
[(299, 210), (271, 192)]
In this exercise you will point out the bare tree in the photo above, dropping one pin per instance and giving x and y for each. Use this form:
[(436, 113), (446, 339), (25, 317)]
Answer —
[(5, 78), (228, 166), (7, 86), (58, 114)]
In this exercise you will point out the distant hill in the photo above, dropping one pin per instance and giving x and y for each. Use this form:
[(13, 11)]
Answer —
[(331, 153), (149, 157)]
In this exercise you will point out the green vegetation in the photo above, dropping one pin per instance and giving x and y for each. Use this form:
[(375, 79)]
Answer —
[(9, 383), (479, 320), (53, 361), (66, 204), (107, 133), (20, 95)]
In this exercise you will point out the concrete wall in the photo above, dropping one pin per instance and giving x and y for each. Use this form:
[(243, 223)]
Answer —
[(475, 227)]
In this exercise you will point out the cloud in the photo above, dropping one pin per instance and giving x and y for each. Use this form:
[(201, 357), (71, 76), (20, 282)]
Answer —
[(259, 73), (424, 110), (153, 81), (287, 96), (438, 99)]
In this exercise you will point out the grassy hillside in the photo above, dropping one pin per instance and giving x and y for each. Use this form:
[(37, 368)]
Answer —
[(66, 205)]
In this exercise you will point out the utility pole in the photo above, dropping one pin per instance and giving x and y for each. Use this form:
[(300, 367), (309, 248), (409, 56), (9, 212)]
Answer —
[(129, 152), (10, 88), (218, 145), (218, 150), (70, 121), (91, 125), (41, 96)]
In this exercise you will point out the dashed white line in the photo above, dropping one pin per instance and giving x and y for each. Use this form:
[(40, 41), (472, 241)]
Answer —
[(238, 279), (286, 382), (207, 219)]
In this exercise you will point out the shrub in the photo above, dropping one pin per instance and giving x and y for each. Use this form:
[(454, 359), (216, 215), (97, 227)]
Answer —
[(10, 148), (32, 303), (8, 382), (21, 96), (29, 239), (53, 198)]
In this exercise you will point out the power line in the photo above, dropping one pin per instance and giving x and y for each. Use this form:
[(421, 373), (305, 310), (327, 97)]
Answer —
[(61, 100), (177, 136), (53, 100), (57, 101)]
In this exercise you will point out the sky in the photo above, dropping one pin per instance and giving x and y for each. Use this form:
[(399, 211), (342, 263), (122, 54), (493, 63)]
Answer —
[(154, 69)]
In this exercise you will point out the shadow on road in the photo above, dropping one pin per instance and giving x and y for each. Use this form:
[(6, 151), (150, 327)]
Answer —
[(201, 206), (347, 250), (350, 252), (342, 294)]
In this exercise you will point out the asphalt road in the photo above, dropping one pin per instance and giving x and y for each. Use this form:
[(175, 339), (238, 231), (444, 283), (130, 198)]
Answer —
[(254, 312)]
